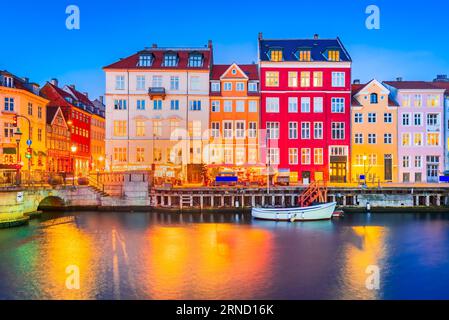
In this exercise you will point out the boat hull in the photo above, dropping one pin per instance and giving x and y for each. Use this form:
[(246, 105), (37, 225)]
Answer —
[(318, 212)]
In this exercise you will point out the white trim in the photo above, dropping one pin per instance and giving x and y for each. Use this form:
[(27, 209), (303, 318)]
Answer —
[(230, 67)]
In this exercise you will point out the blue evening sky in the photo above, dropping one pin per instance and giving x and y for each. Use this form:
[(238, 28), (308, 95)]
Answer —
[(413, 41)]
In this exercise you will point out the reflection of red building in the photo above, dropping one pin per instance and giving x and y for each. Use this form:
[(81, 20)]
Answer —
[(305, 107), (78, 117), (58, 141)]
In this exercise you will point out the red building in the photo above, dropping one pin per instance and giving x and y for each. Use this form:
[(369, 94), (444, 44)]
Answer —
[(76, 111), (305, 107)]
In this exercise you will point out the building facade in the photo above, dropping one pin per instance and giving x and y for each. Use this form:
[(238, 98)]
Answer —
[(98, 137), (157, 112), (234, 119), (420, 130), (19, 97), (305, 107), (58, 142), (78, 117), (374, 134), (442, 82)]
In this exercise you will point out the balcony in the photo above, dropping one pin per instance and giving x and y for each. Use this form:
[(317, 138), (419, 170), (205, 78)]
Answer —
[(156, 92)]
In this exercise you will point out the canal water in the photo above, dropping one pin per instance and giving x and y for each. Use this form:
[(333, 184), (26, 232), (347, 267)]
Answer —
[(225, 256)]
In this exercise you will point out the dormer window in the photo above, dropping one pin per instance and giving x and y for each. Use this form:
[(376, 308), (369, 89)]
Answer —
[(333, 55), (215, 86), (304, 55), (170, 59), (374, 98), (195, 60), (145, 60), (275, 55), (8, 82)]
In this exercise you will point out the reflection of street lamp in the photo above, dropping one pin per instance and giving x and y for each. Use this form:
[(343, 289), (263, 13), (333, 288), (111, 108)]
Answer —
[(73, 149), (18, 135)]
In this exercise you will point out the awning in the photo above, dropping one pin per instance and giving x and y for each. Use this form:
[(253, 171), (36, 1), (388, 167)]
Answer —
[(9, 150)]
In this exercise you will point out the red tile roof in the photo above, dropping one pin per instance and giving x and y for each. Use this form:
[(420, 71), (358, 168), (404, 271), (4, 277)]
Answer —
[(131, 62), (412, 85), (80, 97), (251, 70), (355, 88), (442, 85)]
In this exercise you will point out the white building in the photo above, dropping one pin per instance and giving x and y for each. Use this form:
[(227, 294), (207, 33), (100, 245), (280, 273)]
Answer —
[(157, 112)]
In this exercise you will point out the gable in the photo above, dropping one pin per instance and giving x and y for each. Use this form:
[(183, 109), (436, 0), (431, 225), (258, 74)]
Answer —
[(234, 72)]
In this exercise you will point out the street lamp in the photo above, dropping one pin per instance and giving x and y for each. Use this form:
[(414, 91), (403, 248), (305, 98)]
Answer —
[(18, 135), (73, 149)]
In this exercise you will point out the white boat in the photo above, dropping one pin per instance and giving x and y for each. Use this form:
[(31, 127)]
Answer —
[(316, 212)]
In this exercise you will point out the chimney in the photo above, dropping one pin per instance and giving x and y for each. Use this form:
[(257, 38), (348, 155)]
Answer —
[(260, 36), (54, 82), (399, 79), (356, 81), (209, 44), (154, 45), (316, 36)]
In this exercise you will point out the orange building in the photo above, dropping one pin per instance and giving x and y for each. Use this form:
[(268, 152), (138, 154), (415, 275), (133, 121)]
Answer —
[(234, 118)]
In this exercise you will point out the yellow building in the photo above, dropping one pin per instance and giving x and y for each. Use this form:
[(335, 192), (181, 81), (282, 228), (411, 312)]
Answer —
[(374, 134), (19, 97)]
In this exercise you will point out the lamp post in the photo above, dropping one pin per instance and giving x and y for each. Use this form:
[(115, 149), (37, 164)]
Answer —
[(18, 135), (73, 149)]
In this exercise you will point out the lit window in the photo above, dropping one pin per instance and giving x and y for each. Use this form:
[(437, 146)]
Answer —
[(140, 128), (405, 139), (293, 79), (433, 139), (333, 55), (120, 128), (276, 55), (293, 156), (304, 55), (417, 139), (272, 79), (305, 156), (318, 157), (305, 79), (318, 79)]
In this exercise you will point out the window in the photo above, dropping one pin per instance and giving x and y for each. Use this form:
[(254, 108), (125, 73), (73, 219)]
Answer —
[(215, 133), (120, 104), (372, 117), (170, 60), (156, 82), (120, 155), (304, 55), (9, 104), (195, 105), (388, 118), (157, 104), (405, 139), (293, 130), (292, 104), (140, 104), (195, 130), (358, 118), (174, 132), (272, 79), (417, 139), (240, 129), (338, 130), (318, 130), (252, 87), (338, 105), (293, 79), (140, 83), (318, 105), (273, 130), (305, 105), (239, 155), (215, 106), (228, 155), (39, 134), (406, 100), (318, 79), (318, 157), (406, 161), (227, 86), (157, 128), (374, 98), (140, 128), (39, 112), (252, 130), (272, 105), (372, 159), (433, 101), (305, 79), (406, 119), (433, 139), (433, 119), (9, 130), (195, 60), (227, 129), (140, 154), (417, 119), (273, 156), (305, 130), (418, 100), (338, 79), (276, 55), (157, 155), (252, 107), (120, 128), (358, 138), (174, 105), (8, 82), (240, 86), (195, 83), (305, 156), (120, 82), (418, 161), (292, 156), (372, 138), (215, 87), (388, 138), (228, 106), (240, 106), (145, 60), (333, 55), (174, 83)]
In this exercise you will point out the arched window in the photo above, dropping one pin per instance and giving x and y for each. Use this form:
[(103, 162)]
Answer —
[(374, 98)]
